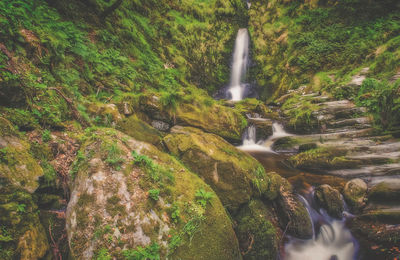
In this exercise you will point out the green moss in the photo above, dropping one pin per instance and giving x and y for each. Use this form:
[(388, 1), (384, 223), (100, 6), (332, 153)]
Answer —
[(323, 158), (257, 236), (140, 130), (19, 166)]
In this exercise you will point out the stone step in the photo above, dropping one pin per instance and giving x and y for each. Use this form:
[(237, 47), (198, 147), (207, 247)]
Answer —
[(359, 123), (368, 171)]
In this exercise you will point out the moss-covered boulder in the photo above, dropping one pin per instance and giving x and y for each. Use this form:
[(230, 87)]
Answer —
[(129, 199), (254, 108), (17, 164), (140, 130), (21, 234), (220, 120), (378, 240), (104, 114), (234, 175), (292, 214), (323, 158), (354, 193), (258, 237), (329, 199), (385, 191)]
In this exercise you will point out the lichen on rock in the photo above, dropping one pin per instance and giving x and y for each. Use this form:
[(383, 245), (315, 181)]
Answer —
[(111, 208)]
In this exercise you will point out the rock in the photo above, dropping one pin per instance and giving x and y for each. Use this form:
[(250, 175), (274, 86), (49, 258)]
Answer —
[(354, 193), (220, 120), (323, 158), (263, 127), (108, 113), (307, 146), (17, 165), (385, 191), (140, 130), (22, 236), (160, 125), (377, 239), (230, 172), (111, 207), (258, 238), (293, 215), (127, 109), (329, 199), (254, 108)]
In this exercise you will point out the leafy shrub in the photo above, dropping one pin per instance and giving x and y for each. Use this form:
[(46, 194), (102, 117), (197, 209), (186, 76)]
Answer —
[(382, 99)]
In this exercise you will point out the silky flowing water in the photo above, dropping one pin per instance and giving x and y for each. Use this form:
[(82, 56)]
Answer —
[(331, 239), (239, 65)]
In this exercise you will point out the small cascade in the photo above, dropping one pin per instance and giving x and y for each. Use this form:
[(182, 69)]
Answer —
[(239, 65), (332, 240), (249, 137), (277, 132), (250, 141)]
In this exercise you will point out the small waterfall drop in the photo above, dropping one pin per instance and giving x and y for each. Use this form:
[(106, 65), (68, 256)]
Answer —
[(239, 65), (332, 241)]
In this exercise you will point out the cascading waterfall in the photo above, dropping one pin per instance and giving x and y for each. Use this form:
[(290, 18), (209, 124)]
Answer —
[(250, 142), (239, 65), (333, 240)]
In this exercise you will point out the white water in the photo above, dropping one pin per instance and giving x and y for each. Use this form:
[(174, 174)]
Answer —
[(239, 65), (333, 241), (250, 143)]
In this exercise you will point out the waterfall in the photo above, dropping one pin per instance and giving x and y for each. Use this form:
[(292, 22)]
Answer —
[(239, 65), (249, 137), (333, 241)]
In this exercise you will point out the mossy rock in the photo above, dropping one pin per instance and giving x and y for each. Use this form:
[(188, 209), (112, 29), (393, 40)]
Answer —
[(21, 235), (17, 164), (378, 240), (293, 215), (258, 237), (140, 130), (111, 207), (232, 173), (105, 114), (323, 158), (354, 193), (329, 199), (255, 108), (307, 146), (217, 119), (385, 191)]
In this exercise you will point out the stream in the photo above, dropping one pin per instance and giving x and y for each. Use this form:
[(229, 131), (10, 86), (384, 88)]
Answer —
[(331, 238)]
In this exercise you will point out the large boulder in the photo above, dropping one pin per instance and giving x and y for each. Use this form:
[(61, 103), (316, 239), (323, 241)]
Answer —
[(385, 191), (292, 214), (17, 164), (22, 236), (234, 175), (217, 119), (130, 199), (329, 199), (140, 130), (258, 237), (354, 193)]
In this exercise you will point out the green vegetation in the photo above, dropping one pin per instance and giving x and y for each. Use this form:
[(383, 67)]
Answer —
[(154, 193), (114, 158), (157, 173), (308, 39), (203, 197), (382, 99), (151, 252)]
